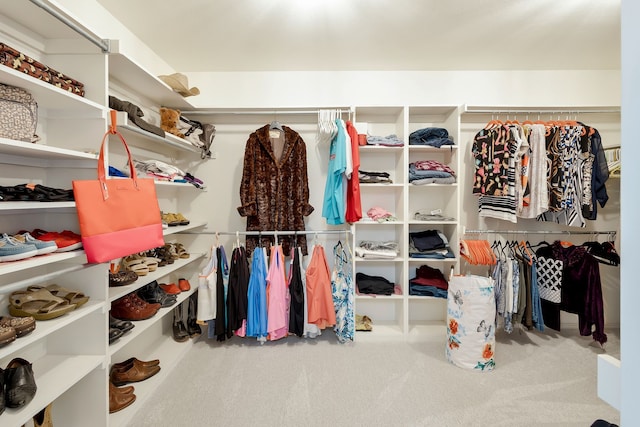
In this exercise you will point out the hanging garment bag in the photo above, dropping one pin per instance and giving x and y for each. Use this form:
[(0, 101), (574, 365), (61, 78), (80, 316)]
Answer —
[(471, 313), (120, 216)]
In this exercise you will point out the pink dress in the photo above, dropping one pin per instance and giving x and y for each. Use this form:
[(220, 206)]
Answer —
[(277, 297)]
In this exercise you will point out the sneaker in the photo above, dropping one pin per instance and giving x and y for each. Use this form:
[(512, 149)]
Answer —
[(13, 250), (66, 241), (42, 246)]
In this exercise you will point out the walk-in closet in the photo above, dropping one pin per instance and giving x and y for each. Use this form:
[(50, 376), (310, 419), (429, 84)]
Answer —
[(358, 213)]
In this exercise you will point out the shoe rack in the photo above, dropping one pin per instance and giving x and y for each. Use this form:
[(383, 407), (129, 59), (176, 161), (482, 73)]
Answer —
[(70, 354)]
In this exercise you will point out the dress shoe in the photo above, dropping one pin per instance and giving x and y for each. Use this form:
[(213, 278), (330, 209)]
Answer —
[(171, 288), (123, 325), (119, 400), (127, 363), (20, 383), (154, 294), (132, 373), (184, 285), (43, 418), (131, 307)]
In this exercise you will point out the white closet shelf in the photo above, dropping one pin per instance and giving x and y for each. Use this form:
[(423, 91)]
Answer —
[(432, 260), (49, 96), (129, 129), (44, 152), (170, 353), (378, 260), (46, 327), (15, 207), (376, 148), (161, 183), (128, 72), (425, 298), (433, 185), (428, 331), (54, 375), (416, 222), (143, 325), (120, 291), (380, 185), (25, 264), (372, 222), (445, 149), (180, 228), (365, 297), (381, 331)]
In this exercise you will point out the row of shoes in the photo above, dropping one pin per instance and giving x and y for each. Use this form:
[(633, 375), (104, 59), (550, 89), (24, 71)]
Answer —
[(12, 328), (174, 219), (189, 328), (34, 193), (25, 244), (130, 371), (146, 301), (17, 384), (45, 302), (143, 263)]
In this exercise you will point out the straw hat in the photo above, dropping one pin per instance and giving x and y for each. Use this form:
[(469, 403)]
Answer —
[(178, 82)]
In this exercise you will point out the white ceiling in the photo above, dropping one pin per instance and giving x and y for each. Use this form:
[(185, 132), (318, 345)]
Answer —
[(300, 35)]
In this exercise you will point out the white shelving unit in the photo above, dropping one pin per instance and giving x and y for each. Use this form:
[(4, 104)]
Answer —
[(404, 316)]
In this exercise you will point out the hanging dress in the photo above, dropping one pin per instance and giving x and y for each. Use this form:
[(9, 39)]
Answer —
[(257, 296), (222, 286), (296, 290), (237, 294), (321, 310), (207, 291), (343, 295), (310, 330), (277, 296)]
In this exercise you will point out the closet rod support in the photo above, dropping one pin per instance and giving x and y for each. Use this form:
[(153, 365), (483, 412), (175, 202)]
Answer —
[(560, 110), (103, 44)]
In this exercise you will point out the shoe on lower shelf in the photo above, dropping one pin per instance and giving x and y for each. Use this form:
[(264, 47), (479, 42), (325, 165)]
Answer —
[(14, 250), (20, 383), (114, 334), (22, 325), (66, 241), (180, 333), (118, 400), (7, 335), (43, 247), (132, 372)]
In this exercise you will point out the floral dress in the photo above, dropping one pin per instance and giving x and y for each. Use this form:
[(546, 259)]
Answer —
[(343, 295)]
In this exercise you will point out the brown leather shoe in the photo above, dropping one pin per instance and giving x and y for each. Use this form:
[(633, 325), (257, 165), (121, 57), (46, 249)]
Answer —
[(119, 400), (130, 307), (127, 363), (132, 373)]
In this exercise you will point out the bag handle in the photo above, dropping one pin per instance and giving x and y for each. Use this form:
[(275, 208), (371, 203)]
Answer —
[(101, 172)]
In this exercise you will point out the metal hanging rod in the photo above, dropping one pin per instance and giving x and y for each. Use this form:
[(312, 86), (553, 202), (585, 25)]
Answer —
[(567, 232), (559, 110), (103, 44), (267, 233), (265, 112)]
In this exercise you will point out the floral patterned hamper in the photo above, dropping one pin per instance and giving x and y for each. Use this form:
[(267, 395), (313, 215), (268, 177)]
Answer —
[(471, 316)]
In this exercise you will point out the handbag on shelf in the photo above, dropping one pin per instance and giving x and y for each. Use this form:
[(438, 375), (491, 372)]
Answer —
[(117, 216), (18, 114)]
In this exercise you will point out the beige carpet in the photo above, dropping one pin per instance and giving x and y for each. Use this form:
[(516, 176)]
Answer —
[(540, 379)]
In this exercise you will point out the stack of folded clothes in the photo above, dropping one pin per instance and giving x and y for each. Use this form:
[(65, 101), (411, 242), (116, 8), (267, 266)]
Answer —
[(388, 141), (374, 177), (433, 136), (370, 249), (429, 244), (19, 61), (34, 193), (430, 172), (376, 285), (428, 282)]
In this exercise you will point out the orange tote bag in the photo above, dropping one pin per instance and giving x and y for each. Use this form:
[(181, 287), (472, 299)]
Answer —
[(117, 216)]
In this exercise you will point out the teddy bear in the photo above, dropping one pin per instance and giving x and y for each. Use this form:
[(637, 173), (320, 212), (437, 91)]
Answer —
[(169, 121)]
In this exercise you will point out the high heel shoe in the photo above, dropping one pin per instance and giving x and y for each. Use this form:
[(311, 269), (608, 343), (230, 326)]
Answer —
[(43, 418)]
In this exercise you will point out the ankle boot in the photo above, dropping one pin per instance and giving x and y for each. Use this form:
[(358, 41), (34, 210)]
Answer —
[(43, 418), (180, 333), (193, 328)]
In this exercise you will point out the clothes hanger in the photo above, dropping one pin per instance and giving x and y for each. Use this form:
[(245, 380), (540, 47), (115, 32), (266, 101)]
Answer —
[(275, 124)]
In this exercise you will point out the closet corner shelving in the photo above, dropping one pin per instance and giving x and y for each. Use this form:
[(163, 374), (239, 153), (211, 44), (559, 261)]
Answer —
[(68, 353), (405, 316)]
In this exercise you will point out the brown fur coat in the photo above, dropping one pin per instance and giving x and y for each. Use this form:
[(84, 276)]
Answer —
[(274, 195)]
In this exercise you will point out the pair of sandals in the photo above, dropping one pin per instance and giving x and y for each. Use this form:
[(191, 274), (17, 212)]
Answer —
[(45, 302), (174, 219), (363, 323), (140, 263)]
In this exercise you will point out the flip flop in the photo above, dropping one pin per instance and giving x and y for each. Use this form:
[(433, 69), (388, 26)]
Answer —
[(40, 304)]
